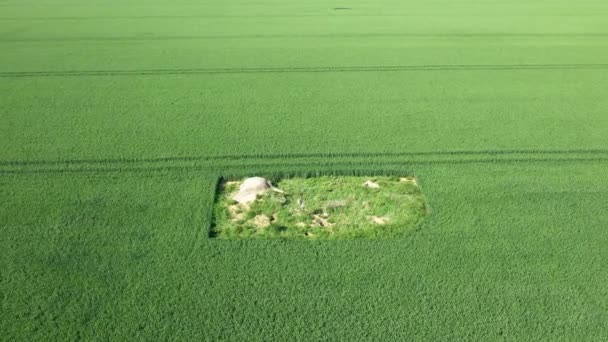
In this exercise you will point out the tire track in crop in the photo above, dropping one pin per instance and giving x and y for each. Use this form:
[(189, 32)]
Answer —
[(332, 13), (185, 16), (299, 36), (321, 69), (311, 165), (323, 155)]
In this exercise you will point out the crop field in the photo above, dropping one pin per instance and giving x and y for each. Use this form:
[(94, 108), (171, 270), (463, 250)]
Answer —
[(118, 119)]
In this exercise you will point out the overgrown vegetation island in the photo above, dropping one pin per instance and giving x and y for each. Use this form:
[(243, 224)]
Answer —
[(326, 207), (123, 122)]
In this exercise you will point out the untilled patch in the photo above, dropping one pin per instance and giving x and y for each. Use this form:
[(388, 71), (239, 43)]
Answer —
[(324, 207)]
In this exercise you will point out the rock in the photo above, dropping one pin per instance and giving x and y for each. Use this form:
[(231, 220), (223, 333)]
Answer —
[(408, 180), (371, 184), (331, 205), (251, 188), (300, 203), (236, 213), (321, 221), (379, 219), (261, 221), (336, 203)]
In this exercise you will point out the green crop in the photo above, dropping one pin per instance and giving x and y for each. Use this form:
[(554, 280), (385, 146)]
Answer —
[(118, 120)]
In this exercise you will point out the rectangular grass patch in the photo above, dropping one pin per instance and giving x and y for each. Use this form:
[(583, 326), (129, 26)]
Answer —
[(326, 207)]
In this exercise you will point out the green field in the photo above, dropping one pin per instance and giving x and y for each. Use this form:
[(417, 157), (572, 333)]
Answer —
[(117, 118)]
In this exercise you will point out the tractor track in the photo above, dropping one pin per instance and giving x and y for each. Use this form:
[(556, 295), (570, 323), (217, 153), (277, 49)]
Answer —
[(312, 165), (311, 69)]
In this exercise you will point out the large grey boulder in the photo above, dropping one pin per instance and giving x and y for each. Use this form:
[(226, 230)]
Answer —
[(251, 188)]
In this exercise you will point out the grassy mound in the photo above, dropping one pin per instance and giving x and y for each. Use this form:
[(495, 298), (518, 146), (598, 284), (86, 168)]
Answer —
[(323, 207)]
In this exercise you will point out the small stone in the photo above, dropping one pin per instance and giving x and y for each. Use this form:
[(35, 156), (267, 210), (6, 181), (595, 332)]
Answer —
[(408, 180), (379, 219), (335, 204), (235, 213), (371, 184), (321, 221), (261, 221)]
